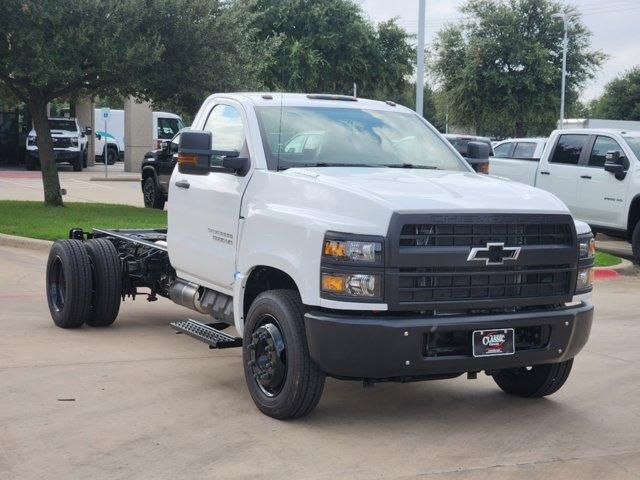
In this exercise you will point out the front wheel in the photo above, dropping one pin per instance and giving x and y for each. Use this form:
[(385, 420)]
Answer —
[(152, 196), (536, 381), (283, 380), (77, 163), (635, 243)]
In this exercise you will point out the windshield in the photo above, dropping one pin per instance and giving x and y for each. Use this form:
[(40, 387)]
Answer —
[(327, 136), (168, 127), (67, 125), (634, 143)]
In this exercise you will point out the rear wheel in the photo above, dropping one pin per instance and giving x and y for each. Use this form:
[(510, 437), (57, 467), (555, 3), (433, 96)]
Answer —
[(535, 381), (152, 196), (107, 282), (69, 281), (282, 379)]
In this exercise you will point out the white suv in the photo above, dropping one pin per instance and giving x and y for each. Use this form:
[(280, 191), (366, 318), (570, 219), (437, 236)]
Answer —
[(69, 144)]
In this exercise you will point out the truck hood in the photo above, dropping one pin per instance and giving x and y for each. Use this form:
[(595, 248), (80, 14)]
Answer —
[(415, 190)]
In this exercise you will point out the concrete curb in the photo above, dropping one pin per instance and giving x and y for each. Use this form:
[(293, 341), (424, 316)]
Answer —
[(24, 242), (115, 179)]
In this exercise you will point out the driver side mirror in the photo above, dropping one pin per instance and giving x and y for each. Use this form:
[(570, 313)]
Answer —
[(616, 164), (87, 131), (164, 146), (194, 155)]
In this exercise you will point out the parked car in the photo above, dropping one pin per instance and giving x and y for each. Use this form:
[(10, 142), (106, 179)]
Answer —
[(517, 158), (69, 144), (157, 167), (351, 259), (462, 144), (595, 172)]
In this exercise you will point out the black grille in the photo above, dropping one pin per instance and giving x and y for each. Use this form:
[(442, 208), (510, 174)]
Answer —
[(61, 142), (445, 235), (442, 284)]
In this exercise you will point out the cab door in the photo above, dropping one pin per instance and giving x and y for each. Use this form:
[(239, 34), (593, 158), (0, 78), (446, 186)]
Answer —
[(602, 196), (559, 173), (204, 210)]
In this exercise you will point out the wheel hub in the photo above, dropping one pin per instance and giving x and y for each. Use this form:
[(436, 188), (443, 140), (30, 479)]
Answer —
[(268, 358)]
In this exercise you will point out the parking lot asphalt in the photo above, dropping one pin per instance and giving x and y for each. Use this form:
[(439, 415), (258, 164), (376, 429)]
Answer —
[(138, 401), (19, 184)]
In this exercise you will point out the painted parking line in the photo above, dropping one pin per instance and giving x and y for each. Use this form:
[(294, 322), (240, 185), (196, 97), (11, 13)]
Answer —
[(11, 174)]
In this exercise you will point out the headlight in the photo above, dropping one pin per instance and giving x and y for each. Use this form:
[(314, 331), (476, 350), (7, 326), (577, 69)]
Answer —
[(585, 278), (352, 251), (587, 248), (352, 284), (74, 141), (586, 257)]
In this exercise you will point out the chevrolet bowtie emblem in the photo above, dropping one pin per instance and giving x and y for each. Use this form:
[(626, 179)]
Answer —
[(493, 254)]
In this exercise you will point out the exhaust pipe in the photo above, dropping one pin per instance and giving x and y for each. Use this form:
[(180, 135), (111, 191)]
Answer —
[(202, 300)]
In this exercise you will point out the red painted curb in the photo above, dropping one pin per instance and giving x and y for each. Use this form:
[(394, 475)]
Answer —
[(605, 274)]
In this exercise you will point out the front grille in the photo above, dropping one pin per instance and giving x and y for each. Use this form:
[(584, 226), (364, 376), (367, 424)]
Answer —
[(61, 142), (515, 234), (459, 342), (443, 284)]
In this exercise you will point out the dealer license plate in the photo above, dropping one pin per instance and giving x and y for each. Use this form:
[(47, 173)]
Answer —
[(489, 343)]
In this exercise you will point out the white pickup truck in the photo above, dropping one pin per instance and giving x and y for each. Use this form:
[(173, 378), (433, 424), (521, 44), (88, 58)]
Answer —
[(369, 250), (595, 172)]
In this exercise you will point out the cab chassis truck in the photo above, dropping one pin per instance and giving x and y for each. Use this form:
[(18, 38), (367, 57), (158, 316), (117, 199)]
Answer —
[(344, 237)]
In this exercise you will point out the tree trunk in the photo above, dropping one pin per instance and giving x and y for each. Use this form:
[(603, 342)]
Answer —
[(50, 180), (520, 129)]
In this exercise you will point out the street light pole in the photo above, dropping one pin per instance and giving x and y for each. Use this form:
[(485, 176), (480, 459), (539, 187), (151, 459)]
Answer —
[(420, 66), (565, 45)]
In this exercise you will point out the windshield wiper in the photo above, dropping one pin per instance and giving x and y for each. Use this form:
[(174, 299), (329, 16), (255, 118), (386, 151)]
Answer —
[(410, 165), (327, 164)]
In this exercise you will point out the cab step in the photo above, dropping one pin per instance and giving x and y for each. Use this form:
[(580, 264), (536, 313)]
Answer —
[(207, 334)]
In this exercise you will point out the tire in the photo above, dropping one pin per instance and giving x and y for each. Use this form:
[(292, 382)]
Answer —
[(30, 163), (295, 384), (69, 281), (112, 156), (151, 193), (534, 382), (77, 163), (107, 282), (635, 243)]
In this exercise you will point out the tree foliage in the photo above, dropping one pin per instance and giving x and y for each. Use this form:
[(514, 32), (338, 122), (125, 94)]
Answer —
[(621, 98), (500, 68), (328, 45), (171, 51)]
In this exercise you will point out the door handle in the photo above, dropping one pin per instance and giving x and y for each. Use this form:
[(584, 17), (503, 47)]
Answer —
[(588, 177), (545, 173), (182, 184)]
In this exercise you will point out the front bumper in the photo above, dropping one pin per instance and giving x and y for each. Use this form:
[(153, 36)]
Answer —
[(58, 155), (394, 347)]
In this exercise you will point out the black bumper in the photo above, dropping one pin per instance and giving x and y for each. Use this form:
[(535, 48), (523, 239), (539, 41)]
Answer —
[(388, 347)]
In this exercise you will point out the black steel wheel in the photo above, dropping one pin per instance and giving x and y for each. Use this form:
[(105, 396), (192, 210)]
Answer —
[(535, 381), (107, 282), (69, 280), (282, 379), (152, 196)]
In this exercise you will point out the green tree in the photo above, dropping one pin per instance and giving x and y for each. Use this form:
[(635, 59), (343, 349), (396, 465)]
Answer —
[(501, 66), (328, 45), (621, 98), (171, 51)]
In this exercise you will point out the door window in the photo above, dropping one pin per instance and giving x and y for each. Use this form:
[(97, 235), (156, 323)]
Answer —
[(502, 150), (601, 146), (524, 150), (225, 124), (568, 149)]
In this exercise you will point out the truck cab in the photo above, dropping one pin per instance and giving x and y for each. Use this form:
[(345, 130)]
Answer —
[(345, 237)]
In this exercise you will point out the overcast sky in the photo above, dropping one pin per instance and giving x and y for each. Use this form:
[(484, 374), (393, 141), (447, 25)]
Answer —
[(615, 25)]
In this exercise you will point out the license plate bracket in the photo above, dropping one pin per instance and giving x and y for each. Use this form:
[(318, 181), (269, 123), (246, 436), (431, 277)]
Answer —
[(494, 342)]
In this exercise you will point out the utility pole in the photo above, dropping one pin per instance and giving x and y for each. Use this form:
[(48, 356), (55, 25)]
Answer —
[(420, 72), (565, 45)]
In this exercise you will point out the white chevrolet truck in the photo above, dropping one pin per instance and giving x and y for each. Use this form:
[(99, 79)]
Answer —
[(595, 172), (367, 251)]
